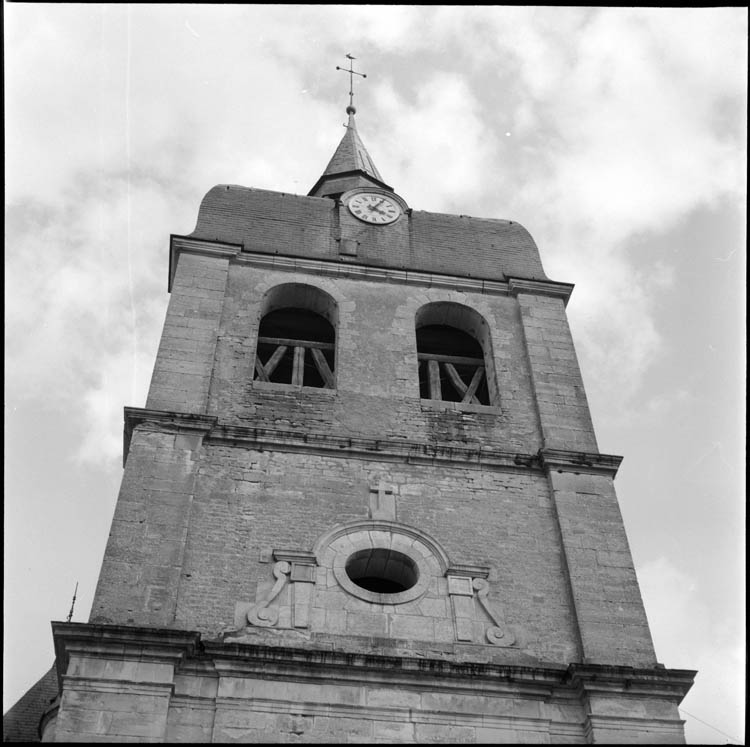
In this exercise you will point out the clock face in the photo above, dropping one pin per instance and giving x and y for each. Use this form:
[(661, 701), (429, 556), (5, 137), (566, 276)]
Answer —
[(374, 208)]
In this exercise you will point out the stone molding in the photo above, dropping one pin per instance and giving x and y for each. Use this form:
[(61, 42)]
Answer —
[(122, 642), (181, 647), (592, 688), (470, 571), (561, 460), (184, 244), (603, 680), (208, 427), (163, 421), (384, 449), (540, 288), (389, 527), (240, 254)]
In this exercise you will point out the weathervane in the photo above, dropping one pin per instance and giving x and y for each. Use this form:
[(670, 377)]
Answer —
[(350, 109)]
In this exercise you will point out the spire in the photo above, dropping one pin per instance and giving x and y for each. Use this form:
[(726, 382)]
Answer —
[(351, 165)]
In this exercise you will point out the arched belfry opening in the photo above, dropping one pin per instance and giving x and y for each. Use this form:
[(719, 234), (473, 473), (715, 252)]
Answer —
[(454, 355), (297, 337)]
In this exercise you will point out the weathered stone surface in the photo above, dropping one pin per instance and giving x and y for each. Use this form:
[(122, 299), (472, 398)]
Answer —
[(495, 528)]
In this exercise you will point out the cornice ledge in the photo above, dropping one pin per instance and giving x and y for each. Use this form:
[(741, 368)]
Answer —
[(469, 571), (121, 640), (163, 420), (204, 247), (238, 658), (540, 288), (369, 272), (673, 684), (562, 460), (384, 448), (304, 557)]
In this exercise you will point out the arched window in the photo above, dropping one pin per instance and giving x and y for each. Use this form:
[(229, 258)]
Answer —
[(454, 356), (297, 337)]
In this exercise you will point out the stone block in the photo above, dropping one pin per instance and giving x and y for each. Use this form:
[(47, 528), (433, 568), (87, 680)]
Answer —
[(444, 733), (366, 623), (401, 698), (393, 731)]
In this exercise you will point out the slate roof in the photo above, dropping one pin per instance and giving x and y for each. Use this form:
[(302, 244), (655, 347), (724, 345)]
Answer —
[(21, 722), (351, 155)]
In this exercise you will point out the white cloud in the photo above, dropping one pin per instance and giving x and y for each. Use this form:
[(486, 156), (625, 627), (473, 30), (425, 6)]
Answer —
[(453, 157), (119, 119), (687, 634)]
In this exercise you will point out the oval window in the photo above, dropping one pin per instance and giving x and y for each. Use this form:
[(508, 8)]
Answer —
[(382, 570)]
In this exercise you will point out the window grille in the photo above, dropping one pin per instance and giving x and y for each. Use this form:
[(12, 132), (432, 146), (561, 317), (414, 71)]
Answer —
[(451, 366), (296, 346)]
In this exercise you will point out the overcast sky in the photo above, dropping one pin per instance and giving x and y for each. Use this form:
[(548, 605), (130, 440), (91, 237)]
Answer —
[(617, 137)]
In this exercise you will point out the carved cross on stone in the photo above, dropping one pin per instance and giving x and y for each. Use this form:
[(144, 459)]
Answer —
[(382, 502)]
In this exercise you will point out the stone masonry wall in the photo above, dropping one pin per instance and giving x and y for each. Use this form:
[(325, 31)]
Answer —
[(249, 503), (377, 387), (557, 383), (293, 225), (195, 525), (142, 566), (184, 363)]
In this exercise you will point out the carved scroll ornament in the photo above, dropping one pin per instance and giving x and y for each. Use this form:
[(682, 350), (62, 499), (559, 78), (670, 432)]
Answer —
[(499, 634), (260, 614)]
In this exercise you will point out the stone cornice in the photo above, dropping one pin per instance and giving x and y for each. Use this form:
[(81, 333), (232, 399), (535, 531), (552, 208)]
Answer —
[(353, 271), (160, 420), (540, 288), (231, 658), (561, 460), (246, 659), (383, 449), (122, 641), (203, 247), (469, 571), (598, 679), (358, 271)]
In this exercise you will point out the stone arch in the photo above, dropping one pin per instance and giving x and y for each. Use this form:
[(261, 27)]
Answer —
[(417, 559), (297, 331), (460, 326), (303, 296)]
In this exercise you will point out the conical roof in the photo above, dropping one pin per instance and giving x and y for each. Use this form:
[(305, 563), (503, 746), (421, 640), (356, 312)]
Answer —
[(351, 166)]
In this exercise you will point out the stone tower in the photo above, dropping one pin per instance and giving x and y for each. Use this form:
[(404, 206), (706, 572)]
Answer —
[(364, 501)]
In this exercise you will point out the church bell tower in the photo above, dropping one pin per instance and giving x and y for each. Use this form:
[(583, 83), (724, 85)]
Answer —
[(364, 500)]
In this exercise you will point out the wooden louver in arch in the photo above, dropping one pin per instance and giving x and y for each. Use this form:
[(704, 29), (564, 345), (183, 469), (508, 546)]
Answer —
[(298, 350), (467, 392)]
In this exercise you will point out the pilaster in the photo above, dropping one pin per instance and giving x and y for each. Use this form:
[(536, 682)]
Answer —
[(632, 706), (185, 361), (140, 576), (562, 407), (611, 619), (116, 682)]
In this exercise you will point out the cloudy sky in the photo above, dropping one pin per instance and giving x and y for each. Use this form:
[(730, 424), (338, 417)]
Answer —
[(616, 136)]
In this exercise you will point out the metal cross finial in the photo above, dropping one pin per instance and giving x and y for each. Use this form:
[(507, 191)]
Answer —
[(73, 603), (350, 109)]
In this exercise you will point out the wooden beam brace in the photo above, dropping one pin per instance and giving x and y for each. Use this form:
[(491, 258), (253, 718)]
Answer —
[(455, 379), (275, 359), (322, 365), (433, 368), (262, 375), (454, 359), (470, 395), (297, 343), (298, 367)]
